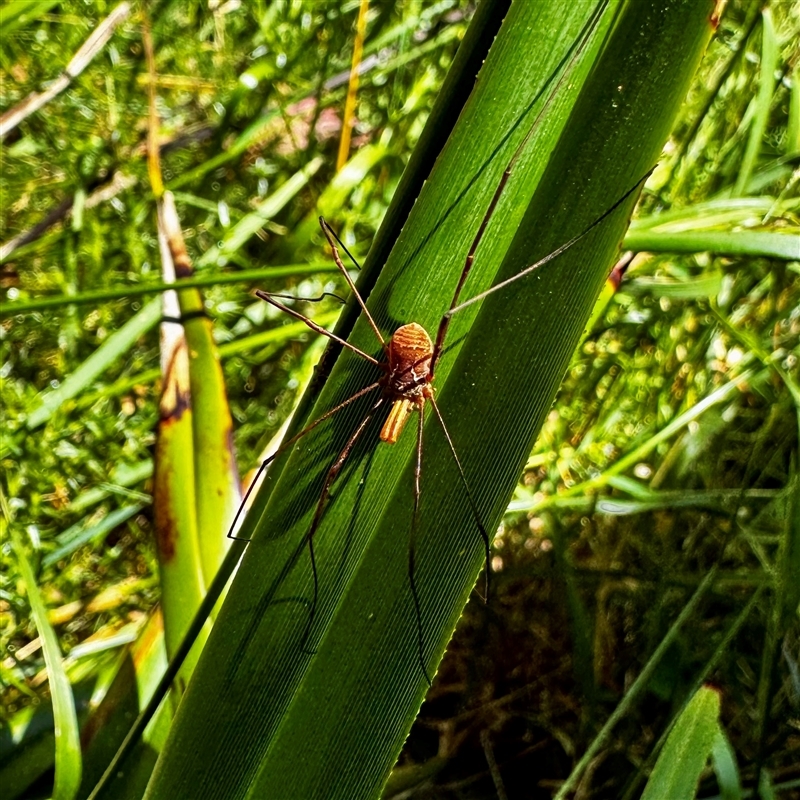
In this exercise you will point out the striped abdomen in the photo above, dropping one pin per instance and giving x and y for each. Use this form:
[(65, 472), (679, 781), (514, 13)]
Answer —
[(410, 352)]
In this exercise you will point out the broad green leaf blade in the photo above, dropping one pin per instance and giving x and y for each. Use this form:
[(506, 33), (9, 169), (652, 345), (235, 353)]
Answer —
[(688, 747), (266, 716)]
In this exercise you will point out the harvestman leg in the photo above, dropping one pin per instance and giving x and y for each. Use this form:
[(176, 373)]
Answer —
[(313, 325), (412, 537), (473, 506), (455, 306), (288, 443), (444, 324), (330, 235), (420, 402), (334, 470), (333, 473)]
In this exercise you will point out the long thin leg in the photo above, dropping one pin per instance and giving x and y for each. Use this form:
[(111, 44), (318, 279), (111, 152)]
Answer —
[(307, 299), (343, 246), (471, 500), (333, 473), (288, 443), (444, 324), (412, 542), (329, 235), (557, 252), (260, 293)]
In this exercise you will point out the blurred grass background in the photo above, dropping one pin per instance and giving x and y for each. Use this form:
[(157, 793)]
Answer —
[(632, 492)]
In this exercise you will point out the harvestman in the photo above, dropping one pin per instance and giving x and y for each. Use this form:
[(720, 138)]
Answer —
[(406, 385), (410, 364)]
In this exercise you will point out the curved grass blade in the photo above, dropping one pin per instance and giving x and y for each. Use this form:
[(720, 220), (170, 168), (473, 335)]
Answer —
[(68, 763), (763, 102), (687, 749)]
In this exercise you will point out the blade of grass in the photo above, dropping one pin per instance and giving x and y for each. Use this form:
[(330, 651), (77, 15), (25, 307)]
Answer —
[(731, 243), (712, 664), (217, 491), (678, 769), (719, 395), (784, 600), (275, 336), (124, 476), (83, 534), (67, 735), (104, 295), (118, 343), (726, 770), (352, 87), (174, 504), (763, 102), (23, 12), (450, 100), (638, 686), (793, 126)]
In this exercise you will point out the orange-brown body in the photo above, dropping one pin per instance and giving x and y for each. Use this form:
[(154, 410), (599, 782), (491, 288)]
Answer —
[(407, 383)]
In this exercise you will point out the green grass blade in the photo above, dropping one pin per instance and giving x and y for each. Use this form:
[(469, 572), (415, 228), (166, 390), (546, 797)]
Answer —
[(283, 333), (793, 126), (723, 759), (628, 460), (118, 343), (83, 533), (636, 689), (217, 489), (769, 63), (174, 488), (731, 243), (68, 763), (292, 723), (119, 481), (116, 293), (21, 13), (688, 747)]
